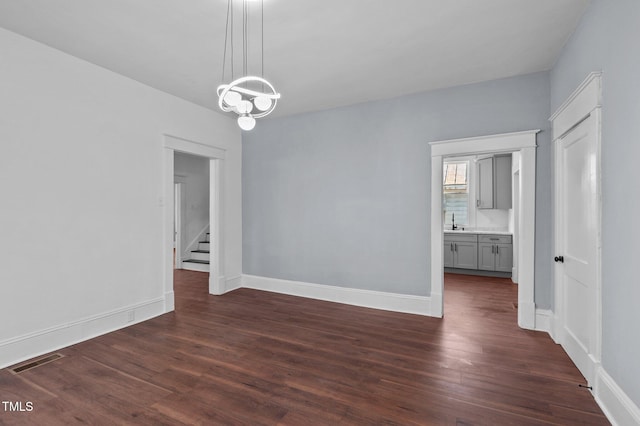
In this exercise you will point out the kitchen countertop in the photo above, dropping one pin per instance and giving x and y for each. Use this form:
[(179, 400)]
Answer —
[(471, 231)]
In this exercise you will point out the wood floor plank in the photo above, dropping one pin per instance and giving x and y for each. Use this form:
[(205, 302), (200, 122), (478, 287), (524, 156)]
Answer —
[(258, 358)]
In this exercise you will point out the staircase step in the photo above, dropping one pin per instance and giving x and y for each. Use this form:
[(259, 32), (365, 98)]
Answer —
[(200, 255), (196, 265), (207, 237), (203, 245)]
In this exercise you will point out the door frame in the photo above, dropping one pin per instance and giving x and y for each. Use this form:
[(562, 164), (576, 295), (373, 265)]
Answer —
[(216, 156), (179, 206), (525, 143), (516, 220), (584, 102)]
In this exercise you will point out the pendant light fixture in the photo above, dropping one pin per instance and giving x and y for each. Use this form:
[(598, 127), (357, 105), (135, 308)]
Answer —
[(249, 96)]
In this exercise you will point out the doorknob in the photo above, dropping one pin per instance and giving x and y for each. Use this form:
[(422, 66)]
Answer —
[(559, 259)]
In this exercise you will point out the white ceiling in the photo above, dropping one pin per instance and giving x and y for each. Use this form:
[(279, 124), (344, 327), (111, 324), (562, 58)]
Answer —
[(319, 54)]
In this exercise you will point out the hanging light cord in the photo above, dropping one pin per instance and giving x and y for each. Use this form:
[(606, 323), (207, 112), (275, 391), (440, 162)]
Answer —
[(233, 75), (245, 41), (226, 41), (262, 38)]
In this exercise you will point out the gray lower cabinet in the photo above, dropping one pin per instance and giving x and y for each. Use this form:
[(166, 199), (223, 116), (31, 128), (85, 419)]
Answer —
[(461, 251), (486, 256), (504, 257), (465, 255), (495, 253), (448, 253)]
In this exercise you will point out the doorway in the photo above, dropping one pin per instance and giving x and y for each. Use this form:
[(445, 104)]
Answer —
[(193, 171), (525, 144), (215, 156), (479, 224)]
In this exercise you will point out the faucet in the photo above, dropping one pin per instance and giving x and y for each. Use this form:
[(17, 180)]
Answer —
[(453, 222)]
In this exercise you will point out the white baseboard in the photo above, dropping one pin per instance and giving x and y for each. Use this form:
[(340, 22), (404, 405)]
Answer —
[(543, 320), (526, 315), (22, 348), (169, 301), (232, 283), (614, 402), (419, 305)]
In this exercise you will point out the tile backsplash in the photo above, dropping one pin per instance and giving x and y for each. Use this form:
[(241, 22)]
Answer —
[(492, 220)]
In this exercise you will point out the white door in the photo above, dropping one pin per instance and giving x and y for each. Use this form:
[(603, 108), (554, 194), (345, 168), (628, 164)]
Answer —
[(577, 243)]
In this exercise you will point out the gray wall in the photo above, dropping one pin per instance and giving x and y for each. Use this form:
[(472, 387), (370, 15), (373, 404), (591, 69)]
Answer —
[(607, 40), (341, 197)]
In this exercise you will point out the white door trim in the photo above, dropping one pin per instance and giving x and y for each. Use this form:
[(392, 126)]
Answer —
[(216, 256), (178, 220), (525, 143), (516, 222), (216, 155), (180, 183), (583, 103)]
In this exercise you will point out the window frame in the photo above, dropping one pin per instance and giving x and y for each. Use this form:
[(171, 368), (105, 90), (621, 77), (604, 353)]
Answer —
[(470, 189)]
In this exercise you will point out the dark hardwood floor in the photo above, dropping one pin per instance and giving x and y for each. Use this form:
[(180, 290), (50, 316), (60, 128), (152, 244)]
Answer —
[(253, 358)]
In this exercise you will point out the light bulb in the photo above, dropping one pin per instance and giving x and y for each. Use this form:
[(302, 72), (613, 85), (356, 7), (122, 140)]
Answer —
[(246, 122), (232, 98), (262, 103), (244, 107)]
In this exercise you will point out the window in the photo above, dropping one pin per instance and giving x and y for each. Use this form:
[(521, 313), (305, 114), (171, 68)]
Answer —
[(455, 192)]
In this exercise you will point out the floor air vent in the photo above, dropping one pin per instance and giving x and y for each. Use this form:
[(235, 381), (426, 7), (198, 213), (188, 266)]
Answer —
[(35, 363)]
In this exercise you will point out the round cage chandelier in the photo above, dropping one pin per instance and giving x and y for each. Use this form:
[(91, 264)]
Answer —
[(249, 96)]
